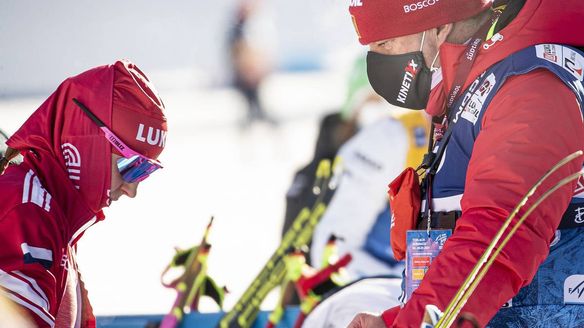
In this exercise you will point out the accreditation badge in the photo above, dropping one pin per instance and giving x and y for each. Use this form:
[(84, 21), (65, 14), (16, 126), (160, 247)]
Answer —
[(422, 247)]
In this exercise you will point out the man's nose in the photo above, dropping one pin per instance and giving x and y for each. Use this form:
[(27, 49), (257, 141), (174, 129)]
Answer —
[(130, 189)]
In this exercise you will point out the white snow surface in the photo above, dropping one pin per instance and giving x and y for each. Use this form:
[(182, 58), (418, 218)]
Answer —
[(211, 167)]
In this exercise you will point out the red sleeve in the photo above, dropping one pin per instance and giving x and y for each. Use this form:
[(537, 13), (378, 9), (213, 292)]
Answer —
[(28, 261), (532, 123), (388, 316)]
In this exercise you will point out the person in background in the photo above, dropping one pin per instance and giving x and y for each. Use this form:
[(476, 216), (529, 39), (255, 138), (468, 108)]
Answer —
[(388, 140), (249, 63), (335, 129), (90, 143), (358, 211)]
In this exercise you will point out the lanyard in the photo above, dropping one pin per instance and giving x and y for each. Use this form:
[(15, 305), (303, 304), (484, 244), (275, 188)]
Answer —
[(468, 59), (441, 129)]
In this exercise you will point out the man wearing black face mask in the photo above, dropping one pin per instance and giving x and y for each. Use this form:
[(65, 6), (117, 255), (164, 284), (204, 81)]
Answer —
[(412, 90), (507, 109)]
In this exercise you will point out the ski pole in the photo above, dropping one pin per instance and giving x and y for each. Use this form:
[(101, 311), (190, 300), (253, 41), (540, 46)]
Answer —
[(295, 262), (486, 260), (312, 288), (250, 313), (478, 278), (245, 310), (189, 282)]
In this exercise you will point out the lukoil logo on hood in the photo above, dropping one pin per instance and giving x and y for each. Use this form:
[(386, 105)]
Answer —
[(155, 137)]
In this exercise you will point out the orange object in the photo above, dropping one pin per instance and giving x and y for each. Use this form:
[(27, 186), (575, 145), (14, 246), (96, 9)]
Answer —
[(404, 201)]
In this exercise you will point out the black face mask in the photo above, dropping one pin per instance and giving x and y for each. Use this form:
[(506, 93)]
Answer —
[(402, 80)]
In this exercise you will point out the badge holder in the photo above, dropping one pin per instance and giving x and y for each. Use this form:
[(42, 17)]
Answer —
[(422, 247)]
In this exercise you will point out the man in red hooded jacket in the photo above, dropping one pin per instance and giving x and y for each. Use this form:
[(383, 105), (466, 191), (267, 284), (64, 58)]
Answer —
[(508, 108), (92, 141)]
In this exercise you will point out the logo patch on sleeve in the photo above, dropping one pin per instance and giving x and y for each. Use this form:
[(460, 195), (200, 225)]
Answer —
[(574, 289), (562, 56), (473, 108)]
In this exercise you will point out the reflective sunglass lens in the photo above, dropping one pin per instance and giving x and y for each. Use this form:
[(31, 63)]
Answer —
[(136, 168)]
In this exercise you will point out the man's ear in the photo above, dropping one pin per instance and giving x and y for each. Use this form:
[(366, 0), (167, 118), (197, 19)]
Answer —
[(442, 32)]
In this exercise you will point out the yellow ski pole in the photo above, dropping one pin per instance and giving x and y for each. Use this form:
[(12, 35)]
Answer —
[(461, 297)]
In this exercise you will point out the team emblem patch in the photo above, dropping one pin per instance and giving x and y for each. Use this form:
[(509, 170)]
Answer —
[(562, 56), (574, 289)]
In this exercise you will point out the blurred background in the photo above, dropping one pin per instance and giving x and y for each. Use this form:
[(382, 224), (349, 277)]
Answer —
[(245, 85)]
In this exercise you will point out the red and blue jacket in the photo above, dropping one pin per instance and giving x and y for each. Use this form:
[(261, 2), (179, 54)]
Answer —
[(502, 146)]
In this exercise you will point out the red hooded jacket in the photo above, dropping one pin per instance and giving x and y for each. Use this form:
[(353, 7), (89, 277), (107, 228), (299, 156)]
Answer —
[(50, 199), (532, 122)]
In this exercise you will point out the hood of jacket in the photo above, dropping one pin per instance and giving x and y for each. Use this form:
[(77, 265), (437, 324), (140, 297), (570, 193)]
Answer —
[(67, 149)]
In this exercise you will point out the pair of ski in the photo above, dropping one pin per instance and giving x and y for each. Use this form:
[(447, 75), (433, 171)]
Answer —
[(273, 273)]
